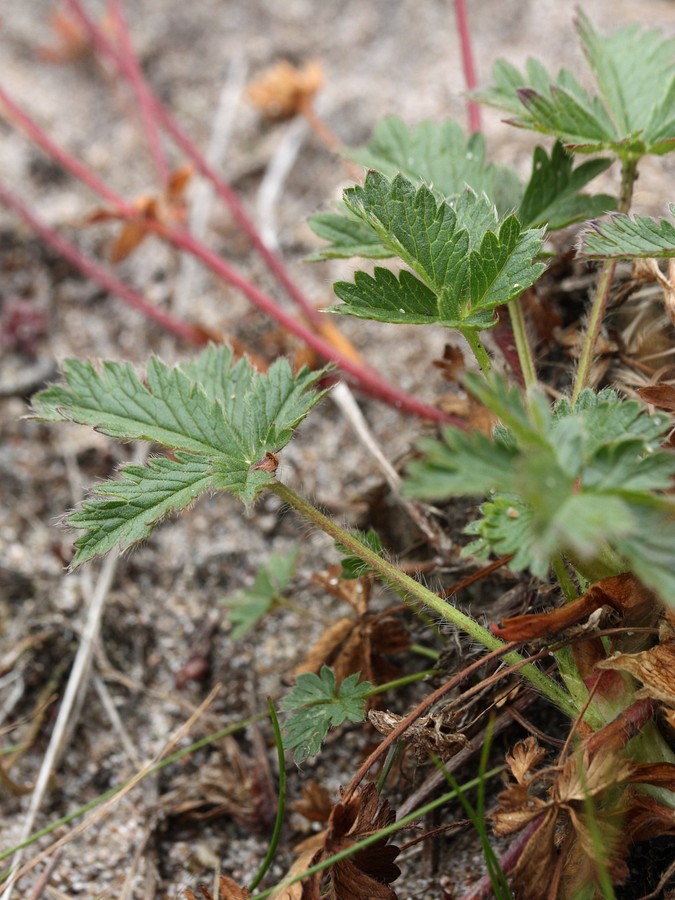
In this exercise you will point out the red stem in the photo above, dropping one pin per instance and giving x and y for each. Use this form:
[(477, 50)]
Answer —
[(464, 30), (369, 380), (224, 191), (98, 273), (144, 96)]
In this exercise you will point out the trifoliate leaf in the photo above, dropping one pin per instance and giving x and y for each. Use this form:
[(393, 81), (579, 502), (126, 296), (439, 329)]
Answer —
[(627, 237), (581, 481), (552, 196), (633, 112), (223, 419), (441, 156), (251, 604), (319, 705), (465, 262)]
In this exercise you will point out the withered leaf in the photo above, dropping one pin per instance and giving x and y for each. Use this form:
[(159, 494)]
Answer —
[(532, 873), (368, 872), (624, 593), (660, 395), (524, 758), (356, 644), (581, 778), (516, 809), (655, 668), (227, 890), (315, 804), (284, 90)]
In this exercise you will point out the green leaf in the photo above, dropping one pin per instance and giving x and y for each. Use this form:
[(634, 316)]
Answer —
[(552, 196), (633, 112), (439, 155), (348, 235), (319, 705), (221, 417), (465, 262), (251, 604), (132, 506), (627, 237), (353, 566), (586, 481)]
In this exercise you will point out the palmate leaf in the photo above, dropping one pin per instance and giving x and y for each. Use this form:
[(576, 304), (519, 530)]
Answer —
[(633, 112), (317, 705), (466, 263), (220, 417), (581, 481), (628, 237)]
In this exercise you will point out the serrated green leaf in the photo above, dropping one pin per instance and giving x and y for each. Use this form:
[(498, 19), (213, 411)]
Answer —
[(552, 196), (466, 264), (319, 705), (226, 414), (250, 605), (132, 506), (628, 237), (582, 481), (633, 112)]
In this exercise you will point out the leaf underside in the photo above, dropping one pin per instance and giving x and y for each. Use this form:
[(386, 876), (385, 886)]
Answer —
[(220, 417)]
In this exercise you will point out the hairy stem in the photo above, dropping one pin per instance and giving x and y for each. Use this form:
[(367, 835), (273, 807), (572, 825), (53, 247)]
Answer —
[(478, 350), (395, 577), (628, 178), (522, 343)]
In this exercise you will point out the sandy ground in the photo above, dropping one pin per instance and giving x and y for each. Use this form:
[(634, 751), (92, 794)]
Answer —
[(163, 606)]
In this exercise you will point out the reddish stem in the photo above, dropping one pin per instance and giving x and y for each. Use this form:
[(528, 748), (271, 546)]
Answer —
[(369, 380), (144, 96), (224, 191), (467, 62), (99, 274)]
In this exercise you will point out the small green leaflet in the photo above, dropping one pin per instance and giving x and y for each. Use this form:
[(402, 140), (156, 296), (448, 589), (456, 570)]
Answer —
[(352, 565), (553, 195), (628, 237), (634, 111), (466, 263), (250, 605), (220, 417), (318, 705), (574, 481)]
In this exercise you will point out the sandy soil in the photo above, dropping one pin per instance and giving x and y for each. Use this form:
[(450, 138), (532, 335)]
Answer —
[(163, 607)]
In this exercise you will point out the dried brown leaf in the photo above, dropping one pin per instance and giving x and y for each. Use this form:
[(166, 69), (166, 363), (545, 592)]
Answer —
[(310, 851), (517, 808), (531, 876), (581, 778), (228, 889), (655, 668), (368, 872), (315, 804), (660, 395), (524, 758), (284, 90)]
